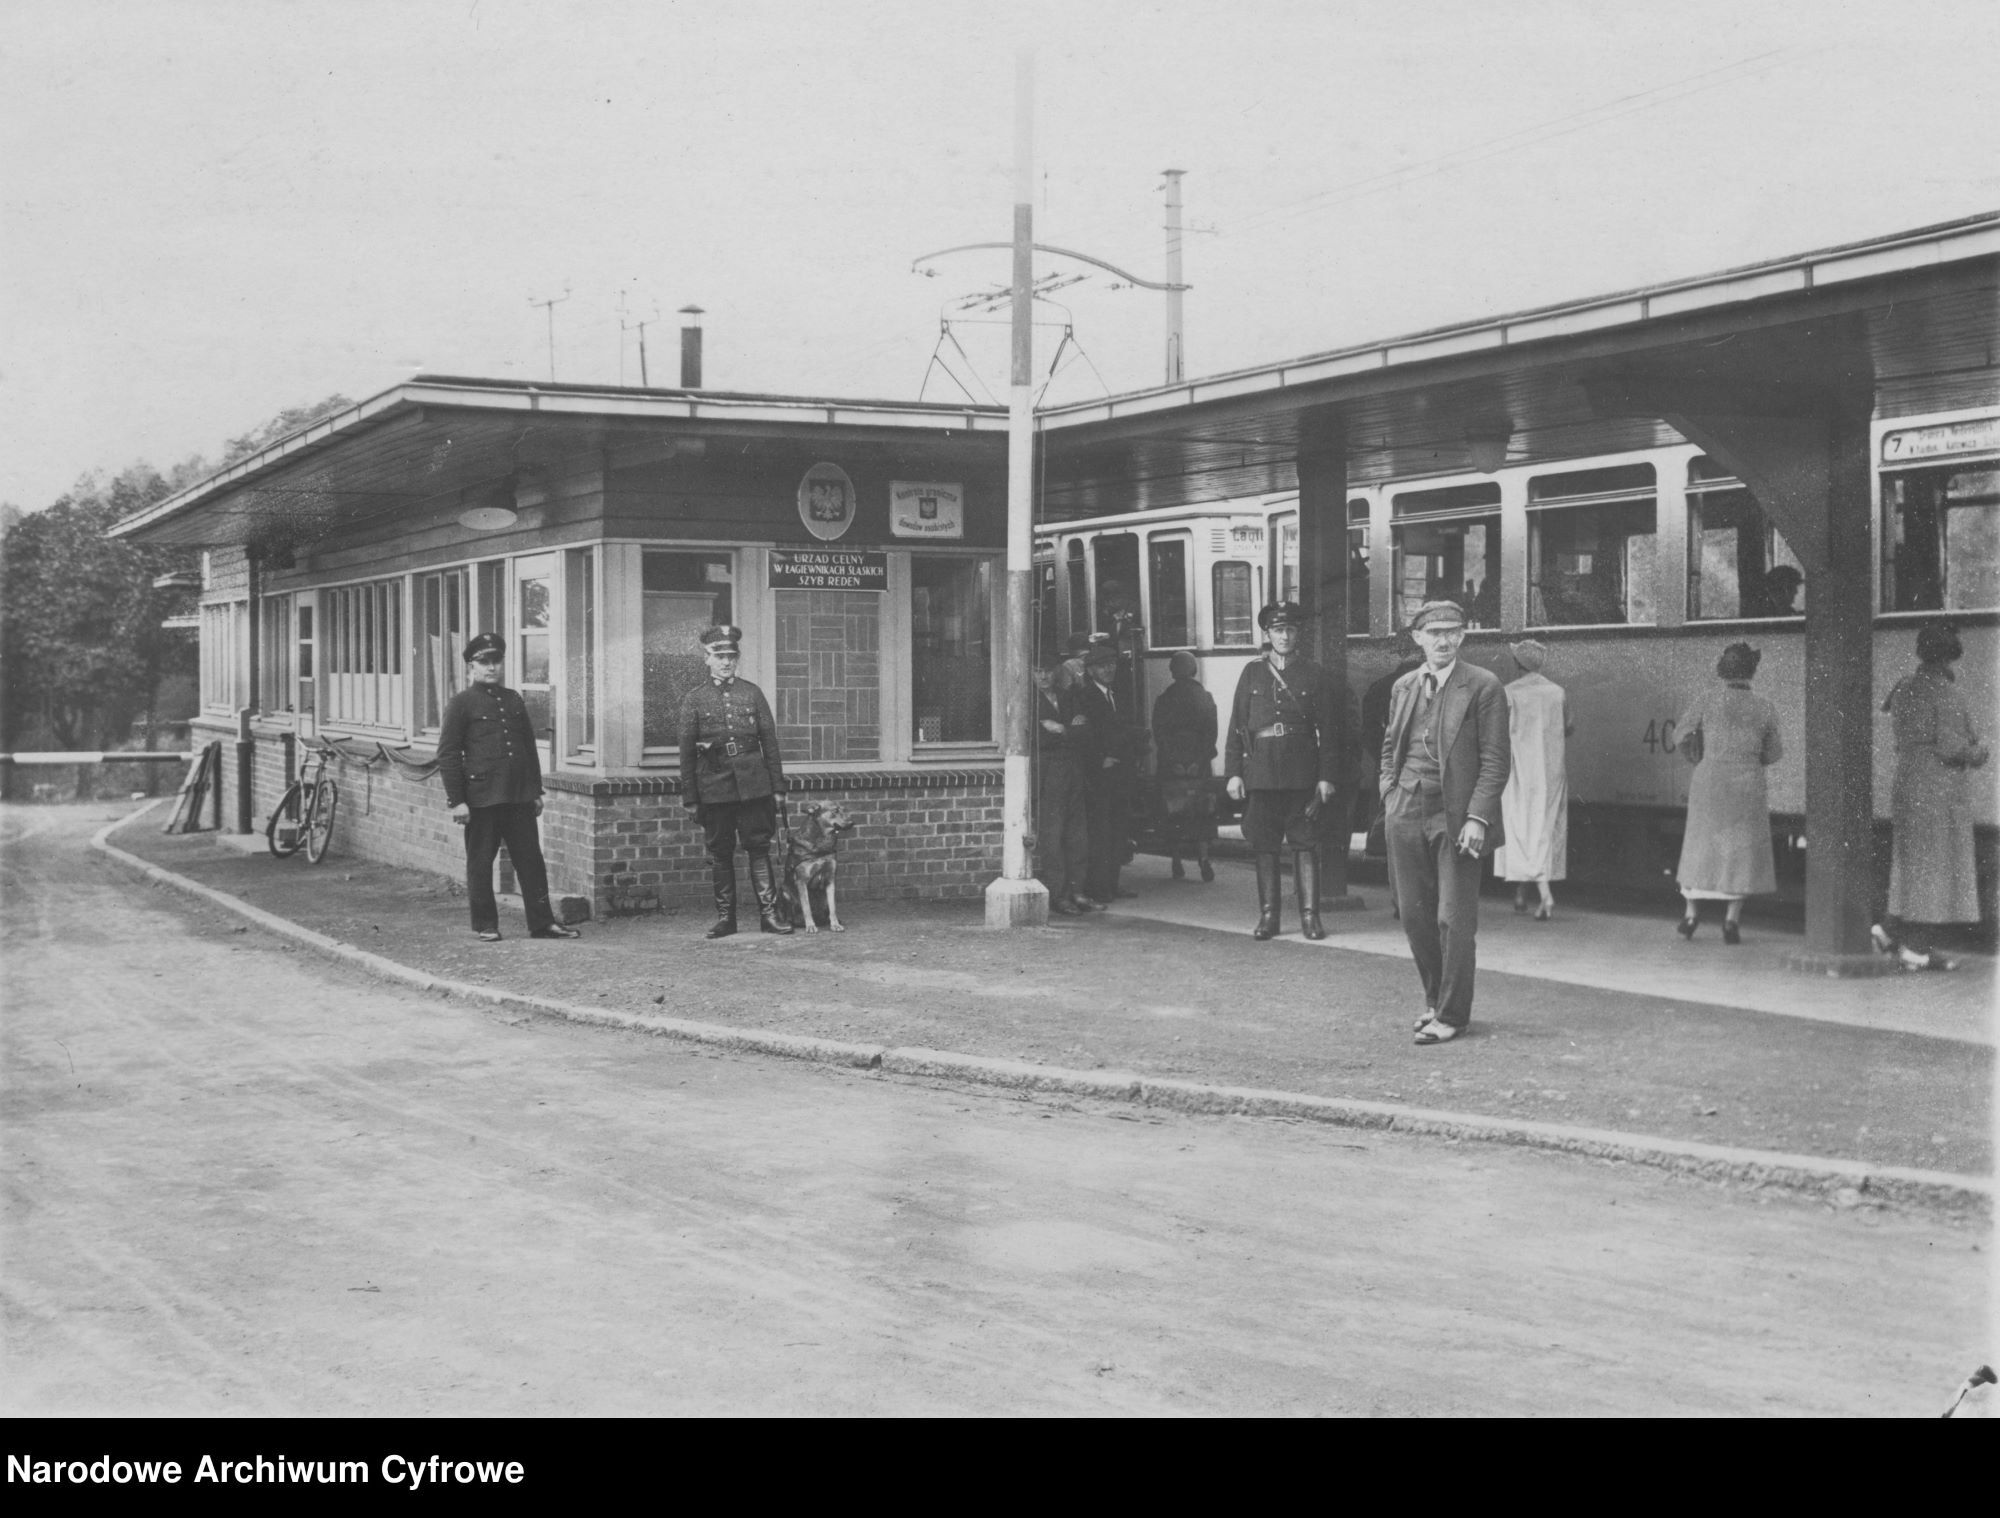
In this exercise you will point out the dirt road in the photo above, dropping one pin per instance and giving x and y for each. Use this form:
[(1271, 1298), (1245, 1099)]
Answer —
[(242, 1180)]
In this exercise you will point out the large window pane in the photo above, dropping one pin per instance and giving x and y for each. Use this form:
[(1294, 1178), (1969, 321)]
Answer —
[(1167, 580), (1449, 561), (951, 658), (1941, 539), (441, 640), (1235, 611), (1738, 564), (1591, 562), (684, 592), (1079, 590), (1117, 583), (580, 649), (1359, 553)]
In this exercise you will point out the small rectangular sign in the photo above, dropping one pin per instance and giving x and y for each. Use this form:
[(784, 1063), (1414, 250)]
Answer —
[(829, 569), (926, 509), (1913, 443)]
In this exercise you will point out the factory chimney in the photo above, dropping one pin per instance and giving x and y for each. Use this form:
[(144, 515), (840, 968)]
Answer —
[(691, 348)]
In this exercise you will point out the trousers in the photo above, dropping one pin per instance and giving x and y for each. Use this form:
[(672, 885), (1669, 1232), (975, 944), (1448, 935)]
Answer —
[(1437, 892), (486, 828), (1276, 820), (1106, 805), (723, 823), (1062, 837)]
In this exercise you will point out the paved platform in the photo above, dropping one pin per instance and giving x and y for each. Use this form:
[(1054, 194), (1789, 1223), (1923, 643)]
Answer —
[(1608, 950)]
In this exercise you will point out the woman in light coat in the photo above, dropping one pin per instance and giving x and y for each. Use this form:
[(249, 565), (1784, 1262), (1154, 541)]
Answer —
[(1726, 852), (1534, 809), (1932, 875)]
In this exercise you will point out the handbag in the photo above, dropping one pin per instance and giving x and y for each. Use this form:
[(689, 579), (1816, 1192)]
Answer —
[(1690, 746)]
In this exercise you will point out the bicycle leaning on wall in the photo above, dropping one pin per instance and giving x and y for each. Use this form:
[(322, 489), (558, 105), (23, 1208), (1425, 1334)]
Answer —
[(304, 818)]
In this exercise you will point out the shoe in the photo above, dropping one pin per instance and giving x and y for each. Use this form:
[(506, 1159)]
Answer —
[(1884, 941), (1270, 897), (1063, 908), (1731, 934), (1917, 959), (764, 881), (1687, 927), (556, 930), (1178, 870), (1085, 903), (1544, 913), (491, 935), (1520, 906), (1435, 1032), (1430, 1015), (1208, 872)]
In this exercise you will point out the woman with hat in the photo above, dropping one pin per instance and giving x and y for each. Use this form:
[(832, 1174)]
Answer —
[(1184, 727), (1731, 734), (1534, 809), (1933, 877)]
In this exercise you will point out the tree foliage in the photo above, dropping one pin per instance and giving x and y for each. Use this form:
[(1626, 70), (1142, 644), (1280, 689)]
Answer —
[(82, 652)]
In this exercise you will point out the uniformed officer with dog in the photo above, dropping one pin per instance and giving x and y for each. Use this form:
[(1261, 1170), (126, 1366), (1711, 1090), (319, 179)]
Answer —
[(491, 766), (731, 777), (1282, 761)]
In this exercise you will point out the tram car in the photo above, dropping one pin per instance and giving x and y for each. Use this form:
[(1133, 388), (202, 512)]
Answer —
[(1635, 569)]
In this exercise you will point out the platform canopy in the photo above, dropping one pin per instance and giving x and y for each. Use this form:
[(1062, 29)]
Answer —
[(1916, 310)]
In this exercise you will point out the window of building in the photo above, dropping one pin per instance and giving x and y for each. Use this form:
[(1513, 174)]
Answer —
[(307, 686), (683, 593), (1446, 547), (444, 617), (1117, 555), (1079, 590), (951, 650), (1738, 564), (490, 615), (361, 679), (224, 655), (579, 686), (1941, 539), (1167, 586), (274, 655), (1591, 535), (534, 630), (1234, 605)]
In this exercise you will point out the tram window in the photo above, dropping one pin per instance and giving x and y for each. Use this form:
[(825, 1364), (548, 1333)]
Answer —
[(1941, 540), (1235, 616), (1167, 585), (1117, 582), (1079, 590), (1449, 561), (1357, 566), (1738, 563), (1288, 557), (1591, 562), (1048, 633)]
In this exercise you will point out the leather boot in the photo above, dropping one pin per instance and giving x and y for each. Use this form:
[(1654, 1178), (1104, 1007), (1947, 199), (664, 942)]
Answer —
[(1270, 896), (724, 877), (770, 911), (1305, 885)]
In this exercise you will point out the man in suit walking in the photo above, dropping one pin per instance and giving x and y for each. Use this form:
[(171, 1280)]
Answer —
[(492, 773), (1444, 765)]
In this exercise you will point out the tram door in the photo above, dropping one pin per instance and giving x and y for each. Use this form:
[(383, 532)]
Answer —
[(1116, 575)]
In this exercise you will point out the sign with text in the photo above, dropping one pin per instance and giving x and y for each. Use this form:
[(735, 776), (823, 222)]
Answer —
[(829, 569), (926, 509), (1912, 443)]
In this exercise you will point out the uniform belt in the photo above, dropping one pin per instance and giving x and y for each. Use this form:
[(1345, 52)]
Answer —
[(1279, 730), (731, 747)]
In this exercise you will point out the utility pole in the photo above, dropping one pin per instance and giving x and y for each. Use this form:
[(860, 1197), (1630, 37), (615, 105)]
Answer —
[(1016, 899), (644, 383), (550, 304), (1176, 345)]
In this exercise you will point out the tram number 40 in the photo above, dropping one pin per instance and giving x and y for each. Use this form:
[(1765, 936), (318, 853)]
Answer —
[(1660, 737)]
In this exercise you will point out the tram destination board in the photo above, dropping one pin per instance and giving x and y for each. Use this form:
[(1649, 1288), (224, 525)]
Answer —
[(829, 569)]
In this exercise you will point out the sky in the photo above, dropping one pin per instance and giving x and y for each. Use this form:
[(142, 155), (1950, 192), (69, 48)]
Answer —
[(211, 210)]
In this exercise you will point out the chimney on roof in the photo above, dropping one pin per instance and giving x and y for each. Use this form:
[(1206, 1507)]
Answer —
[(691, 348)]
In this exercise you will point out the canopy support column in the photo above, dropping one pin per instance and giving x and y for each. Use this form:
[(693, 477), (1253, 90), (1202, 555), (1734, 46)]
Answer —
[(1322, 471)]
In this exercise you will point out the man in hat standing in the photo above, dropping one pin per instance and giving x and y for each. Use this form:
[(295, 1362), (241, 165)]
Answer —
[(731, 777), (492, 772), (1114, 742), (1062, 838), (1282, 762), (1445, 758)]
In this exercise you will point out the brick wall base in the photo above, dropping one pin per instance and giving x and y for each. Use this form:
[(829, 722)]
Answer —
[(629, 845)]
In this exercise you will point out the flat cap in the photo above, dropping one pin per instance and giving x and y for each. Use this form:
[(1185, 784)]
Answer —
[(484, 643), (1438, 614)]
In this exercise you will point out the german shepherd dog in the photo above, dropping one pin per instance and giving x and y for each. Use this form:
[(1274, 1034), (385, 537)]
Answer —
[(811, 863)]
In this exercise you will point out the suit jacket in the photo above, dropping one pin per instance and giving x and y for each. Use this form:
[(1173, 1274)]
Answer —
[(1306, 700), (1472, 743), (1107, 734), (486, 752)]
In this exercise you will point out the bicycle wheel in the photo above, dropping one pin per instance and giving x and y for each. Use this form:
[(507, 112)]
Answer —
[(319, 819), (287, 814)]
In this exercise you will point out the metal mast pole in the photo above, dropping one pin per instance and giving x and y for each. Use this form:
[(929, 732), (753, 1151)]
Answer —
[(1176, 342), (1017, 899)]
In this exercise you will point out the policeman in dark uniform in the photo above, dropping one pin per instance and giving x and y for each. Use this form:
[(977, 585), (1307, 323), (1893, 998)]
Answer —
[(1281, 757), (731, 777), (492, 772)]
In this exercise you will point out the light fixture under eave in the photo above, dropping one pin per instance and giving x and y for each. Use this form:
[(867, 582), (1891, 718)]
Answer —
[(1486, 442), (488, 518)]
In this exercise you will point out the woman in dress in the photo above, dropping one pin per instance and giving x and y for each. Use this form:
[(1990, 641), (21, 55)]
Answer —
[(1534, 808), (1184, 728), (1932, 876), (1726, 853)]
